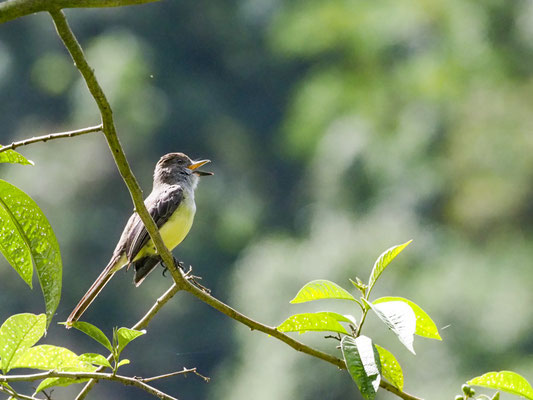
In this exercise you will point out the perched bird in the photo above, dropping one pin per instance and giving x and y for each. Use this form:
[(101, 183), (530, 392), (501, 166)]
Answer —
[(171, 205)]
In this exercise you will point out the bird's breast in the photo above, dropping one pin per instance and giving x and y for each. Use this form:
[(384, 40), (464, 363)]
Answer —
[(179, 224)]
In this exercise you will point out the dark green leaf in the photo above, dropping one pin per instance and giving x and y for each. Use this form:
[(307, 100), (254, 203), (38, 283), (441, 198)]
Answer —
[(94, 332), (321, 289), (11, 156), (319, 321), (506, 381), (390, 367), (400, 318), (17, 334), (424, 324), (23, 226), (126, 335), (362, 362), (383, 261)]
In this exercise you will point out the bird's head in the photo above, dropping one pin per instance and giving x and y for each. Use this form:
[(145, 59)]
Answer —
[(177, 167)]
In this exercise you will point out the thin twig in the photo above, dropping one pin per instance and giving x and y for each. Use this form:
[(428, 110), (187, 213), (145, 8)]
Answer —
[(11, 392), (51, 136), (184, 371), (125, 380), (12, 9)]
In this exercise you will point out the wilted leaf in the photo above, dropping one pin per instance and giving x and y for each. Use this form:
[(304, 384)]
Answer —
[(319, 321), (362, 362), (321, 289), (383, 261), (126, 335), (13, 157), (390, 367), (400, 318), (94, 332), (17, 334), (424, 324), (23, 227), (506, 381)]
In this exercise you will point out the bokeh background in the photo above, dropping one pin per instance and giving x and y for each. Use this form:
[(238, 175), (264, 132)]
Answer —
[(337, 129)]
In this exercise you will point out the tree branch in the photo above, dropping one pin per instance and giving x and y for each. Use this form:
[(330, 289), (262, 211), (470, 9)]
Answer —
[(184, 371), (51, 136), (125, 380), (13, 394), (12, 9)]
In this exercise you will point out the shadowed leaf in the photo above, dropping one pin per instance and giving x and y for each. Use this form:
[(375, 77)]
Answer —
[(362, 362)]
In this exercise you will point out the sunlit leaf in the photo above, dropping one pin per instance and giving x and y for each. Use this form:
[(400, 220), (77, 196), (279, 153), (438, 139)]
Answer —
[(23, 226), (321, 289), (506, 381), (390, 367), (362, 362), (424, 324), (383, 261), (94, 332), (125, 361), (126, 335), (51, 382), (17, 334), (96, 359), (47, 357), (12, 157), (319, 321), (400, 318)]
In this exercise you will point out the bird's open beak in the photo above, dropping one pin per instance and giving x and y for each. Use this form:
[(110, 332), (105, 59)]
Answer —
[(197, 164)]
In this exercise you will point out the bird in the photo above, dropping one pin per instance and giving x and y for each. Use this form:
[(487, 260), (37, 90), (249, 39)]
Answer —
[(171, 205)]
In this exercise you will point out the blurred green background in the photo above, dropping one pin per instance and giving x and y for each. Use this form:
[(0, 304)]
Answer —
[(336, 129)]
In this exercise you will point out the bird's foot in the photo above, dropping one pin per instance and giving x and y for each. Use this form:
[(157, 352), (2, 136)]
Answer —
[(177, 262)]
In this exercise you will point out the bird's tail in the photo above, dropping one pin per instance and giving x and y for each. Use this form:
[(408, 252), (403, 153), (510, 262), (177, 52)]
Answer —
[(93, 291)]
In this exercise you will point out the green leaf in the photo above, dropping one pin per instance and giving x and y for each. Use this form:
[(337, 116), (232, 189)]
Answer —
[(126, 335), (362, 362), (321, 289), (400, 318), (506, 381), (96, 359), (13, 157), (47, 357), (123, 362), (390, 367), (17, 334), (424, 324), (94, 332), (383, 261), (319, 321), (25, 231), (51, 382)]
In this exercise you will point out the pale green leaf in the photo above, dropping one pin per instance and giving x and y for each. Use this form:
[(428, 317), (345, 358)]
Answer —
[(383, 261), (362, 362), (125, 361), (321, 289), (95, 358), (400, 318), (126, 335), (13, 157), (319, 321), (51, 382), (94, 332), (24, 226), (424, 324), (47, 357), (390, 367), (17, 334), (506, 381)]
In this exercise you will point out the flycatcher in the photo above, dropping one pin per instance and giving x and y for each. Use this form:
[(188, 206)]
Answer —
[(171, 205)]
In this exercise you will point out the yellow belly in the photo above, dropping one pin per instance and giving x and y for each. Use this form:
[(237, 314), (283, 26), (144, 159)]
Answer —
[(174, 230)]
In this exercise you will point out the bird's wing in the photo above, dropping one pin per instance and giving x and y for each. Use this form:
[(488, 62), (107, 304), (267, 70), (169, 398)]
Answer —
[(161, 209)]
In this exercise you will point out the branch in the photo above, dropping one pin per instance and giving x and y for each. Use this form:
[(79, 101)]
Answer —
[(51, 136), (125, 380), (12, 9), (184, 371), (13, 394)]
